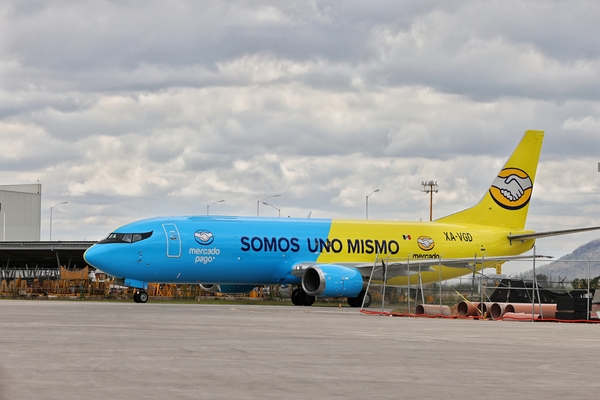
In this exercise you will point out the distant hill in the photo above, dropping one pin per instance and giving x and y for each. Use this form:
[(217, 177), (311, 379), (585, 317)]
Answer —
[(575, 264)]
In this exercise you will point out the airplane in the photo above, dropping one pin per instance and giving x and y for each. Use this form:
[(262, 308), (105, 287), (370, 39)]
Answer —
[(329, 257)]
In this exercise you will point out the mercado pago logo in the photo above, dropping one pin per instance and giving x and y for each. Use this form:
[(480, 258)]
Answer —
[(204, 254), (512, 189), (204, 237)]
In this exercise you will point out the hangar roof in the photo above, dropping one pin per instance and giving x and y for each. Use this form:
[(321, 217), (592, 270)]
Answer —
[(17, 255)]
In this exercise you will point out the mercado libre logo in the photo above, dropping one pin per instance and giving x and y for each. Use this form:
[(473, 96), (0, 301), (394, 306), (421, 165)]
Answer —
[(512, 189), (204, 237), (425, 243)]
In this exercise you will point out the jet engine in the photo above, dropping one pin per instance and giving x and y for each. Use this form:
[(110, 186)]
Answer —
[(229, 289), (332, 281)]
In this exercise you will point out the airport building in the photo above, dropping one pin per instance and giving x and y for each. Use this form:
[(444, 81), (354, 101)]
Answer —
[(20, 212), (28, 265)]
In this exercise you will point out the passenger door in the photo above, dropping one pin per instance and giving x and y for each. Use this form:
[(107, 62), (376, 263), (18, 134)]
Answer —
[(173, 240)]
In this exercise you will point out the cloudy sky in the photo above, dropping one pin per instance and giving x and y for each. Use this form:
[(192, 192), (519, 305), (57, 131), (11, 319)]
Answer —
[(133, 109)]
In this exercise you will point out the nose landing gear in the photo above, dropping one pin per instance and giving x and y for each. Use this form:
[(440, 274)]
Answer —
[(140, 296)]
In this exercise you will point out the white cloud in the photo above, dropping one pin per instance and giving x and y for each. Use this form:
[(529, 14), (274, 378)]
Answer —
[(588, 124), (129, 110)]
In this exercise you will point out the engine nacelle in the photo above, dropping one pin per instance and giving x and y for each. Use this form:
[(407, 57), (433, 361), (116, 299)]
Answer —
[(229, 289), (210, 287), (332, 281)]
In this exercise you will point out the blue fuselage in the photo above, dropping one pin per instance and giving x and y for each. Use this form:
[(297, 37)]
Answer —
[(207, 249)]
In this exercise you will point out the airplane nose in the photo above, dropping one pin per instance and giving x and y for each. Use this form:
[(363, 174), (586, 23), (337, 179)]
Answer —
[(90, 256), (108, 258), (96, 257)]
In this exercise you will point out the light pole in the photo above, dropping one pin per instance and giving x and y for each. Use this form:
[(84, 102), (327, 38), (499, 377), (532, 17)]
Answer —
[(429, 187), (278, 210), (367, 203), (64, 202), (260, 201), (208, 206), (3, 224)]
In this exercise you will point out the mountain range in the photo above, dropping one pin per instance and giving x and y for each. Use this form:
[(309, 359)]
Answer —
[(574, 265)]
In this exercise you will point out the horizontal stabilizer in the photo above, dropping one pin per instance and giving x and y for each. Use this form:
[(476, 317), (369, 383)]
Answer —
[(538, 235)]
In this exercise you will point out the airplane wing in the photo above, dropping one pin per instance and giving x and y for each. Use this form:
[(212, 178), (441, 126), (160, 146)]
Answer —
[(412, 267), (537, 235)]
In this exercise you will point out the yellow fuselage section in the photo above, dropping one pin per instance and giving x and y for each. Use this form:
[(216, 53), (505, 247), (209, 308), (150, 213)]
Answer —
[(357, 241)]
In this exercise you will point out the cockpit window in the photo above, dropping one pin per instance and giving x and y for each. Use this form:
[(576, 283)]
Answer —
[(125, 237)]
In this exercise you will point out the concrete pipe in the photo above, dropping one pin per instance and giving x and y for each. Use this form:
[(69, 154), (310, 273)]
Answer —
[(498, 309), (486, 309), (467, 309), (511, 316), (547, 310), (432, 309)]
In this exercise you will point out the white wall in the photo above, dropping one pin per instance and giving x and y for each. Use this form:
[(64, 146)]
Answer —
[(21, 205)]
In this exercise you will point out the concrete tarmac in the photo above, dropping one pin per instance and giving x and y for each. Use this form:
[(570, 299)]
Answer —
[(105, 350)]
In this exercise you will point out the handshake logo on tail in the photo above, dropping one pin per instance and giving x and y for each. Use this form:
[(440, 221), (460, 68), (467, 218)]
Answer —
[(512, 189)]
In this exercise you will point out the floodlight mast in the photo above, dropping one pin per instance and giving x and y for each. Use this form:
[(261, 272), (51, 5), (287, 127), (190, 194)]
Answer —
[(429, 187)]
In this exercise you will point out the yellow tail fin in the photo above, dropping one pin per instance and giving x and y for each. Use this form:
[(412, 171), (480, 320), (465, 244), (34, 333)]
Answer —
[(507, 201)]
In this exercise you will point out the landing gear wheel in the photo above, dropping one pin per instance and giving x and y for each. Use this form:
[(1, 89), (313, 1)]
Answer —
[(300, 298), (309, 300), (368, 300), (143, 296), (354, 302), (358, 300), (296, 297), (140, 296)]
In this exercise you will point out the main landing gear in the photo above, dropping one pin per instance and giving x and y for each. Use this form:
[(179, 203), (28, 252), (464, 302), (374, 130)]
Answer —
[(358, 300), (300, 298), (140, 296)]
